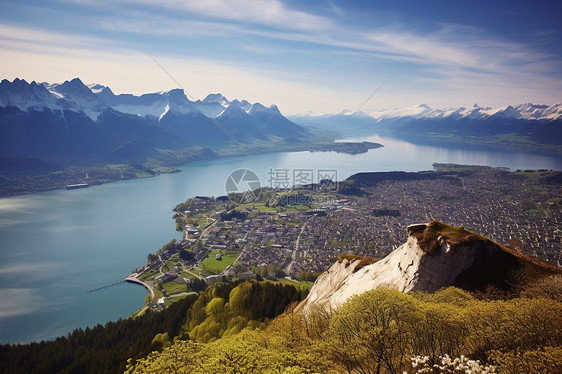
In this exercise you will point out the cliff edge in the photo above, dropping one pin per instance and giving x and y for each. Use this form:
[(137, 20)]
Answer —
[(434, 256)]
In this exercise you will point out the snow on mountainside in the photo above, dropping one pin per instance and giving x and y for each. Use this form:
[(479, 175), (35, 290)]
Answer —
[(553, 112), (523, 111), (258, 108), (217, 98), (234, 111), (70, 120), (26, 96), (213, 105), (153, 104), (80, 97), (93, 99), (71, 95)]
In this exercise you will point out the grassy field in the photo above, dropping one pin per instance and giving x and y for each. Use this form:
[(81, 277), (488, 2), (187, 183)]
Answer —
[(173, 287), (303, 285), (296, 208), (211, 263), (169, 302), (148, 275), (263, 208), (170, 264)]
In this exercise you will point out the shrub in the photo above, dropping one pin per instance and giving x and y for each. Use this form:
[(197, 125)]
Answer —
[(362, 261)]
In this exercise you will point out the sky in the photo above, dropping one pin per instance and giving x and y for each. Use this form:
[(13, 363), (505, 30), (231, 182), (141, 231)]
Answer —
[(315, 56)]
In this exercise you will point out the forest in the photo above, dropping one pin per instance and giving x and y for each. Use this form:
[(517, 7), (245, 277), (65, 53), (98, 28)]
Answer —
[(221, 310), (386, 331), (257, 327)]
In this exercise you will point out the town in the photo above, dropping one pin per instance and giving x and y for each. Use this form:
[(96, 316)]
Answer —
[(295, 234)]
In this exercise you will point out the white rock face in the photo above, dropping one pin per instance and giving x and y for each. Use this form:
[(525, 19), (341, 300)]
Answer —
[(407, 268)]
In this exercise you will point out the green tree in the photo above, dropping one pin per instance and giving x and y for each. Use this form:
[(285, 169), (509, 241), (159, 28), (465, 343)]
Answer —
[(371, 333)]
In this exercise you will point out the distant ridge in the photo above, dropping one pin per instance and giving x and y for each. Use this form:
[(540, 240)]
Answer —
[(529, 126)]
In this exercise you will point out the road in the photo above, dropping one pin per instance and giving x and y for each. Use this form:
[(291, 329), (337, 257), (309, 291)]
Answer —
[(133, 279), (295, 251)]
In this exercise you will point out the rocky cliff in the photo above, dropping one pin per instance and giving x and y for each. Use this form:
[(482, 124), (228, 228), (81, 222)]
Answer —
[(434, 256)]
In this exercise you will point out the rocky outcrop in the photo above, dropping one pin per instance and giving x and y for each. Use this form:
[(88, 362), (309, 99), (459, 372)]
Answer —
[(434, 256)]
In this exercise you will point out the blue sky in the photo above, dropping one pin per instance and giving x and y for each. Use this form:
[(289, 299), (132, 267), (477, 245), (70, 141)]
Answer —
[(314, 56)]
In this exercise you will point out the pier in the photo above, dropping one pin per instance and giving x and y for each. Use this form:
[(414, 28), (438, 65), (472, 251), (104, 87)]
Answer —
[(107, 286)]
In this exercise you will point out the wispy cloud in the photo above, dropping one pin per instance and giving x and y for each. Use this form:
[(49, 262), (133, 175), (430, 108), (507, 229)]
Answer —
[(13, 204), (199, 76), (16, 35), (448, 61), (20, 301), (269, 13), (32, 271), (451, 45)]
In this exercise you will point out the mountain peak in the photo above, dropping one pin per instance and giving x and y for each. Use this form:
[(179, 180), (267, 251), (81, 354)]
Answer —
[(216, 98), (74, 86), (259, 108), (79, 97), (99, 88), (25, 96), (509, 112), (234, 107)]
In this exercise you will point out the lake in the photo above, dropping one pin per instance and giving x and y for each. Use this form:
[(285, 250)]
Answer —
[(56, 246)]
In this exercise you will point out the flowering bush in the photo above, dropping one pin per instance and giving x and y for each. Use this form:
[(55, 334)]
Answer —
[(459, 365)]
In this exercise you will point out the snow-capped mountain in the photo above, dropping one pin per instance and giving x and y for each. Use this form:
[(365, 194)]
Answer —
[(78, 121), (537, 127), (521, 111), (26, 96), (95, 98), (79, 97), (525, 111), (213, 105), (152, 104)]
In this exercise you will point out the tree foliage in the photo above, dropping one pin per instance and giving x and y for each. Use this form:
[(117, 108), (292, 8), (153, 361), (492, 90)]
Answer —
[(105, 349), (381, 331), (101, 349), (236, 328)]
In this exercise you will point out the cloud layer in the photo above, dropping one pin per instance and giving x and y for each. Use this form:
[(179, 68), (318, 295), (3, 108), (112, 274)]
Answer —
[(323, 60)]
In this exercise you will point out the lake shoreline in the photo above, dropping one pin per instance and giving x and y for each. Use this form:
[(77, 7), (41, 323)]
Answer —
[(153, 169)]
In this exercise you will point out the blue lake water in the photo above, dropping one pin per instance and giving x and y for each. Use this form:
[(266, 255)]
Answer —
[(57, 245)]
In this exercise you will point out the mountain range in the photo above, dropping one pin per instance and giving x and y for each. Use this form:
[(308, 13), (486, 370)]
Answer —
[(73, 123), (526, 125), (521, 111), (76, 124)]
